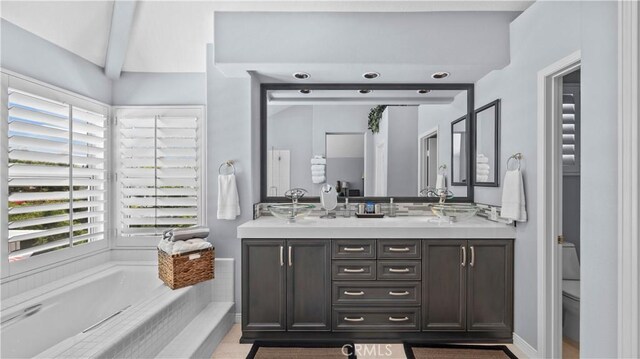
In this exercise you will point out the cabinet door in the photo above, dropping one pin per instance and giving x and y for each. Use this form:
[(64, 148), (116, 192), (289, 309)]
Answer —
[(444, 280), (490, 285), (263, 285), (308, 284)]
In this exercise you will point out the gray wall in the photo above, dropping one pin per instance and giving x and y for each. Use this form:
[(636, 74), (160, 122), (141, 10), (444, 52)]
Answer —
[(33, 56), (542, 35), (402, 160), (148, 88), (290, 129), (350, 169)]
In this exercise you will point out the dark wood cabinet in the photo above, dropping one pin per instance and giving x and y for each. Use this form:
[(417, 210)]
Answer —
[(286, 285), (263, 285), (444, 280), (490, 285), (445, 290), (308, 284)]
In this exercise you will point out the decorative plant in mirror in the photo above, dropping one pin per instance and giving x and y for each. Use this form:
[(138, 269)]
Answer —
[(374, 118)]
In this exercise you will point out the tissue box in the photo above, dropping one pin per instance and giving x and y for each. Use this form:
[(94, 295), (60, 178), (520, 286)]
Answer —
[(185, 269)]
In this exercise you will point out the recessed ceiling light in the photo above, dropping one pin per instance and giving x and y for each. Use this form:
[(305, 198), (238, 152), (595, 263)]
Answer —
[(423, 91), (305, 91), (370, 75), (301, 75), (439, 75), (364, 91)]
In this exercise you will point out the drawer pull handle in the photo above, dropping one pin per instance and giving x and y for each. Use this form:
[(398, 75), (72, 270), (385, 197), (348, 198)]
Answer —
[(359, 319), (399, 293), (353, 293), (352, 249), (349, 270), (396, 319), (394, 249), (399, 270)]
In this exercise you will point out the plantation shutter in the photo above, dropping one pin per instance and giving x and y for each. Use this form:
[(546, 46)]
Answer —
[(570, 129), (159, 175), (56, 175)]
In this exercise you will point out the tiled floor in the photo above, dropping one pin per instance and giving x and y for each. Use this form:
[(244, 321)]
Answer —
[(229, 348)]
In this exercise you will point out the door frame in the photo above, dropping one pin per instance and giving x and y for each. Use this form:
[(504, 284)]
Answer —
[(550, 204), (424, 136)]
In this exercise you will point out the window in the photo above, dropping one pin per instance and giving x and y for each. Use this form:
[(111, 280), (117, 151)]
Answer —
[(56, 181), (159, 170)]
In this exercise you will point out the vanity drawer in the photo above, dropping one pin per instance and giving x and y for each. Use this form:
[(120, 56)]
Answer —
[(399, 269), (376, 293), (354, 248), (376, 318), (353, 270), (399, 248)]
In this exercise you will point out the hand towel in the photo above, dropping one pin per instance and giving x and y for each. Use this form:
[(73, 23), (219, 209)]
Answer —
[(482, 172), (441, 182), (317, 173), (228, 200), (318, 179), (180, 234), (318, 161), (483, 166), (318, 168), (482, 159), (513, 200)]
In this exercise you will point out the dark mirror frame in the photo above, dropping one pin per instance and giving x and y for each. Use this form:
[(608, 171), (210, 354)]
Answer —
[(266, 87), (496, 169), (454, 183)]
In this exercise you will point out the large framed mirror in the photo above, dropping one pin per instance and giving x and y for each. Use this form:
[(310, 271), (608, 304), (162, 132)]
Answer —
[(371, 142), (486, 166)]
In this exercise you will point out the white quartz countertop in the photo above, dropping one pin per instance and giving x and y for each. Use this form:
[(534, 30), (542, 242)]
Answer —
[(396, 227)]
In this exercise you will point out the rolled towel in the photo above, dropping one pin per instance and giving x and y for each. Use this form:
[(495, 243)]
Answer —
[(482, 178), (482, 172), (482, 159), (180, 234), (318, 179), (483, 166), (513, 199), (318, 167), (317, 173), (318, 161), (441, 182)]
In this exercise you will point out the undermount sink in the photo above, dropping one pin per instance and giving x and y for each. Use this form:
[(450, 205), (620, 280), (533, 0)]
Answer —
[(290, 211), (454, 212)]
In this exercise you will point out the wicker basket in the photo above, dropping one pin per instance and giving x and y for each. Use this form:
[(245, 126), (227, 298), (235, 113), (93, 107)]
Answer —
[(185, 269)]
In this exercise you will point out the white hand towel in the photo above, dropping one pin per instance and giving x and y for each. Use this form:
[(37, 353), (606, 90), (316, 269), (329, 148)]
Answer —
[(228, 200), (318, 179), (317, 173), (317, 167), (318, 161), (441, 182), (513, 200)]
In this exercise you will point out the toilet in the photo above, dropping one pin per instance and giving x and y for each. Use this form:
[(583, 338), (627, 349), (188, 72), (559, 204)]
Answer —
[(570, 292)]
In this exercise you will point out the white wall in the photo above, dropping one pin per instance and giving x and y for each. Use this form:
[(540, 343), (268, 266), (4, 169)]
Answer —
[(542, 35), (149, 88)]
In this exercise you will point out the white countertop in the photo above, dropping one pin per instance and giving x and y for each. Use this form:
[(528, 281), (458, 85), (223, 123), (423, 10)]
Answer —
[(396, 227)]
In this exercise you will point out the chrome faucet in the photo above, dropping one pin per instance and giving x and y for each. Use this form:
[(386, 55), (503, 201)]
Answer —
[(295, 194), (442, 193)]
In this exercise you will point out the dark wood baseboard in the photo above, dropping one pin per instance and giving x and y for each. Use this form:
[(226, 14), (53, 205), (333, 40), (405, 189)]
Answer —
[(380, 337)]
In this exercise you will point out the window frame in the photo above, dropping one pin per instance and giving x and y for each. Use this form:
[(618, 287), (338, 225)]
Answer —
[(15, 80), (179, 110)]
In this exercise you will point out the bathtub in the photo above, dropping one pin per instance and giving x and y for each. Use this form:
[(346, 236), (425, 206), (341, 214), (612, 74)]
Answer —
[(113, 310)]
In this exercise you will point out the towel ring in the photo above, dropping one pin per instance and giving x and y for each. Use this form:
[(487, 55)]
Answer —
[(517, 157), (227, 164)]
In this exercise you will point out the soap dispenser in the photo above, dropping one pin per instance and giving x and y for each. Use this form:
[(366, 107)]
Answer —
[(392, 208)]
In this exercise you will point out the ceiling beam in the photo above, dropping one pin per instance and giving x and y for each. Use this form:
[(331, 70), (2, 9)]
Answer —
[(121, 23)]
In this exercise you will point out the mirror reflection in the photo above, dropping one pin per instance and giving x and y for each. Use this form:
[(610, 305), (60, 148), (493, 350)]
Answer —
[(459, 151), (378, 143), (487, 144)]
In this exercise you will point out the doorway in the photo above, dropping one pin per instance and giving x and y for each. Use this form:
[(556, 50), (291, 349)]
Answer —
[(427, 159), (570, 218)]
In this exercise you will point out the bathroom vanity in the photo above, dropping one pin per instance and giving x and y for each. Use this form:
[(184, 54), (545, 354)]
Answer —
[(391, 279)]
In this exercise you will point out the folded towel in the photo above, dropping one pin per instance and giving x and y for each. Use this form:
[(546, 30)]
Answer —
[(513, 199), (483, 166), (482, 172), (228, 200), (179, 247), (482, 159), (441, 182), (317, 173), (482, 178), (181, 234), (318, 167), (318, 160), (318, 179)]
